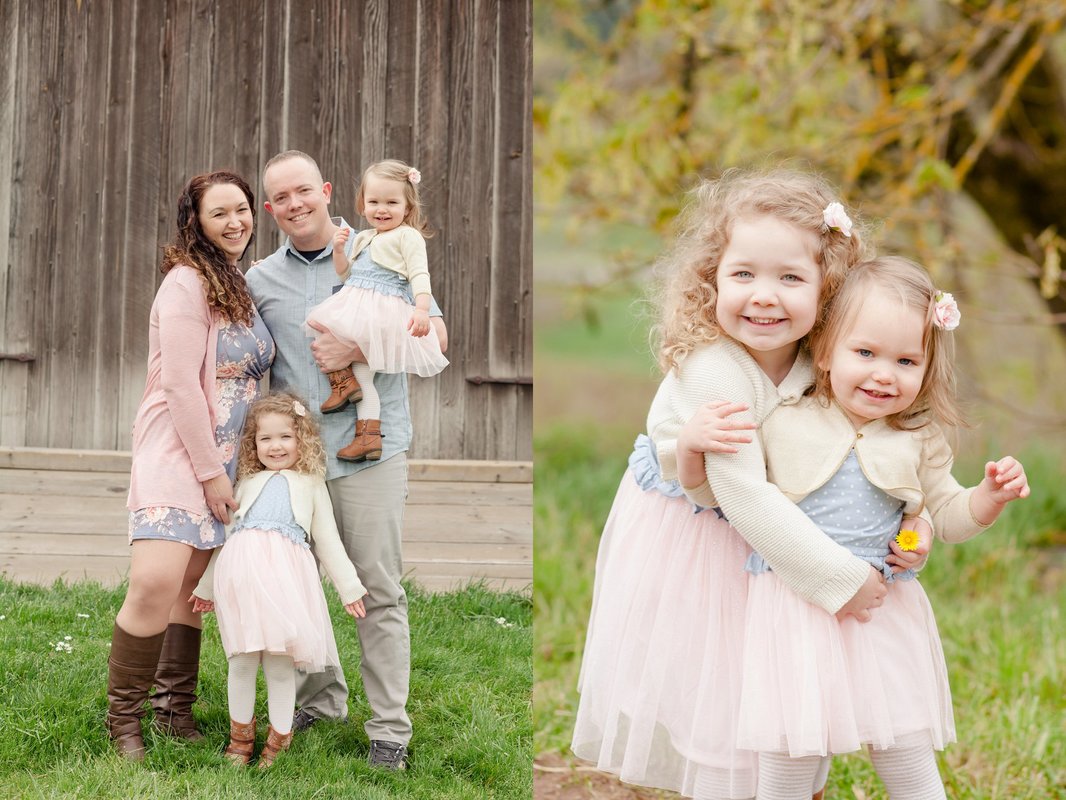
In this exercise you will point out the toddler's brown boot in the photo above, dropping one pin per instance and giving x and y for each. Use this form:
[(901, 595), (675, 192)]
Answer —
[(344, 389), (367, 442), (276, 742), (241, 742)]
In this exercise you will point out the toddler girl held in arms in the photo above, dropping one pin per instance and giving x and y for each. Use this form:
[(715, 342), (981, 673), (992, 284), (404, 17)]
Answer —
[(383, 307), (264, 584)]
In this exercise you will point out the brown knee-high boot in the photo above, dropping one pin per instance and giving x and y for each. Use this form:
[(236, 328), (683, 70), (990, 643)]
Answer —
[(130, 670), (367, 442), (343, 389), (175, 682)]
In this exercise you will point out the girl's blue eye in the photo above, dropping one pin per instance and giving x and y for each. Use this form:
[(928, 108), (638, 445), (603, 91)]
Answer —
[(906, 362), (864, 353)]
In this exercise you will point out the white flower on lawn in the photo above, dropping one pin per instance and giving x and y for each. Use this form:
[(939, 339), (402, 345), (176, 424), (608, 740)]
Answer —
[(83, 616), (502, 622)]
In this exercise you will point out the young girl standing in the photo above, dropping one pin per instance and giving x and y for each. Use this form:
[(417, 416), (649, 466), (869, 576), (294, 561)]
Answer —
[(383, 307), (814, 684), (660, 678), (264, 584)]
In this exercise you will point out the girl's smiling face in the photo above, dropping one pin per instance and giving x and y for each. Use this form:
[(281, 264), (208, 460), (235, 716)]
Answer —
[(384, 202), (877, 366), (276, 442), (768, 284)]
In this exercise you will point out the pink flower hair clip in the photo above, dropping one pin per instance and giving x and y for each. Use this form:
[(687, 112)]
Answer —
[(946, 314), (835, 218), (298, 408), (414, 176)]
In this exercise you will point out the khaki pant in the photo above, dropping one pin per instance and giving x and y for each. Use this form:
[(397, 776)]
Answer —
[(369, 510)]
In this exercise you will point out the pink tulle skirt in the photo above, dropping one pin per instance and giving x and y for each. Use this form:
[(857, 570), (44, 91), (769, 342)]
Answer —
[(660, 678), (814, 685), (377, 323), (268, 597)]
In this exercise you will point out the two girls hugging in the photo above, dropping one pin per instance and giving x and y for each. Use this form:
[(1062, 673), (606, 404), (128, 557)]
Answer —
[(755, 609)]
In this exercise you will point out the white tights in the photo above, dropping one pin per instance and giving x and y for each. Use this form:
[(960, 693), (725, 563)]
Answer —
[(280, 675), (908, 770), (370, 406)]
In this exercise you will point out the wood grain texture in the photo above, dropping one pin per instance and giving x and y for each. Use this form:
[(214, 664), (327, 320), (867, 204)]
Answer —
[(63, 515), (108, 108)]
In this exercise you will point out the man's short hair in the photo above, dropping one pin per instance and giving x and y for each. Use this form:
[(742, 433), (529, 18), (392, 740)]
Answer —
[(289, 154)]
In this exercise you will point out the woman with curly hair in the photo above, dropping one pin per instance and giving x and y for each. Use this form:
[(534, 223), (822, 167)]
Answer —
[(264, 583), (207, 351)]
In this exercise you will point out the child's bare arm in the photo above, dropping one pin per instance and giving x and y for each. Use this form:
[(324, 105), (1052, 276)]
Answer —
[(340, 258), (419, 324)]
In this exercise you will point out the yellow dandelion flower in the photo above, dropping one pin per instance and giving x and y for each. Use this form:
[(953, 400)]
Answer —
[(907, 540)]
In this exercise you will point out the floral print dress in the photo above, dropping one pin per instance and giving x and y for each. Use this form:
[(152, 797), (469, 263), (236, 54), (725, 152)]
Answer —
[(244, 354)]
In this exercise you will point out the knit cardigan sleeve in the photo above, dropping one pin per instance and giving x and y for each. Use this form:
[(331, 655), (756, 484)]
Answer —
[(806, 559), (184, 328), (945, 498), (416, 263), (329, 549)]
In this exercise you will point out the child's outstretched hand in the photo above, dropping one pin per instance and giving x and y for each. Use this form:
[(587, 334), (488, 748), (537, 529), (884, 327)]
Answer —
[(340, 237), (711, 430), (356, 609), (1004, 481), (419, 324), (915, 558), (201, 606)]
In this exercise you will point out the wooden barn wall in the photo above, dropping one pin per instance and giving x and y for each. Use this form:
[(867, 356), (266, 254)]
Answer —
[(106, 108)]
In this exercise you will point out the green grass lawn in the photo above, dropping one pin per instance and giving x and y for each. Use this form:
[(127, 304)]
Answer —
[(469, 703)]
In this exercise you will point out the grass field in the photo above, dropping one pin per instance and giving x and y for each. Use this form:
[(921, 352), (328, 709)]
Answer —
[(469, 703), (999, 599)]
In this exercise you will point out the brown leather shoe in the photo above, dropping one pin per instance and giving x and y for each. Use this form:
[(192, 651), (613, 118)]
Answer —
[(175, 683), (276, 742), (343, 389), (241, 742), (130, 670), (366, 446)]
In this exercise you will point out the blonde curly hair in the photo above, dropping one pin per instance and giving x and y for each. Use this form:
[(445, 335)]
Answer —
[(687, 274), (905, 280), (311, 455), (394, 170)]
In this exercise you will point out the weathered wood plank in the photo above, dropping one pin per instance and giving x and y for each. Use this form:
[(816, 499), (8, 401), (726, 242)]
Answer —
[(111, 571), (109, 108), (119, 461)]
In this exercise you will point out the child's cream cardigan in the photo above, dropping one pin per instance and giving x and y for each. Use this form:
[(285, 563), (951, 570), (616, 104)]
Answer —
[(313, 511)]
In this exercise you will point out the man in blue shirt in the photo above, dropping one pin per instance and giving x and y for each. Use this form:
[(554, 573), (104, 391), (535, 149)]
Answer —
[(368, 496)]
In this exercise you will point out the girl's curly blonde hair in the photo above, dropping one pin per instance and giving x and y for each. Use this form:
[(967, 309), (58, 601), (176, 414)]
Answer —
[(394, 170), (311, 455), (688, 272), (901, 278)]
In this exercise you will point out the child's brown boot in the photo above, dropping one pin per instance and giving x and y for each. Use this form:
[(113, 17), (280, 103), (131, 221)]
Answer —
[(241, 742), (276, 742), (343, 389), (367, 442)]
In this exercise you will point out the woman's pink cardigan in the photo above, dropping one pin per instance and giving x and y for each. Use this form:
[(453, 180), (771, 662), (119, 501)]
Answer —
[(174, 431)]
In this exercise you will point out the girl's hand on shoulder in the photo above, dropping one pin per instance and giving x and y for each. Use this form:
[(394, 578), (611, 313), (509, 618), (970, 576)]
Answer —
[(218, 493), (902, 560), (356, 609), (712, 430), (1005, 480), (200, 606), (419, 324)]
